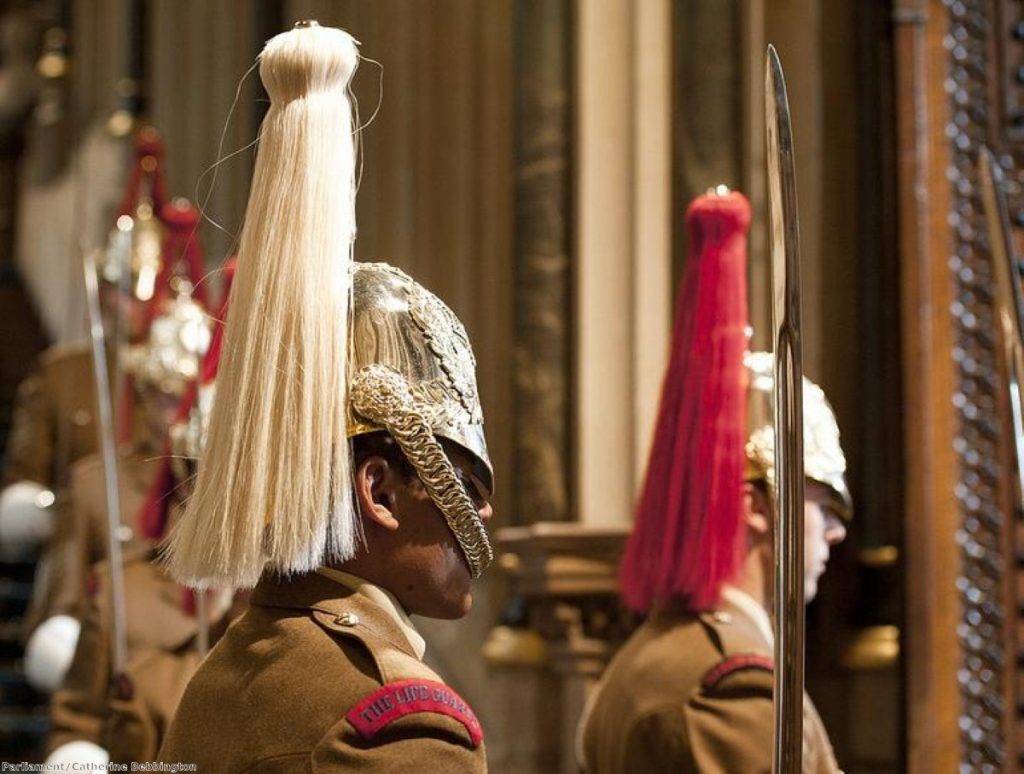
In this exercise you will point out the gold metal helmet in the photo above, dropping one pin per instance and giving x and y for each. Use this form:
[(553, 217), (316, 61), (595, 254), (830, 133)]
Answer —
[(824, 461), (412, 373), (178, 338)]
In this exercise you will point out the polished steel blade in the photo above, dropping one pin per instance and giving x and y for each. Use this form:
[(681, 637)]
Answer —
[(108, 448), (789, 451), (1008, 298)]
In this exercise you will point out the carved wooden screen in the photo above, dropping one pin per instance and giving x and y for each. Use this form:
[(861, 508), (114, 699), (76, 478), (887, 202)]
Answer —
[(974, 87)]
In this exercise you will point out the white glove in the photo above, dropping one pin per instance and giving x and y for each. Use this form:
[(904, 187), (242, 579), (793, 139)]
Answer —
[(80, 752), (49, 652), (26, 516)]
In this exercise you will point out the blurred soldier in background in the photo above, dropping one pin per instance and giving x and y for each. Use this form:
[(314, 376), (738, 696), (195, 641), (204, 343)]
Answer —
[(55, 414), (155, 333), (161, 370), (692, 689), (98, 716)]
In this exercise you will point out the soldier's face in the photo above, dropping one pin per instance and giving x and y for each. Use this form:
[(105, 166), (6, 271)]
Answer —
[(823, 528), (423, 564), (441, 588)]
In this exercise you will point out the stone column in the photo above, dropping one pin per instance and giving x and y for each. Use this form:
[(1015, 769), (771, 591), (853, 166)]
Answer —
[(543, 50), (622, 244)]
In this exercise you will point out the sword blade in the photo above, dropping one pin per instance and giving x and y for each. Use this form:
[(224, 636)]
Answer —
[(789, 453), (108, 447), (1008, 297)]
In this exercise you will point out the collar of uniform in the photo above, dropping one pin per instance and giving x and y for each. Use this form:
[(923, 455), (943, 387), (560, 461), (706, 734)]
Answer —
[(742, 602), (386, 600), (312, 591)]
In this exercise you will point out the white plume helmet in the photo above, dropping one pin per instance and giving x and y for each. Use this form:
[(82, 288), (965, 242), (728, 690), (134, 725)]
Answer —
[(49, 651), (27, 516), (274, 487)]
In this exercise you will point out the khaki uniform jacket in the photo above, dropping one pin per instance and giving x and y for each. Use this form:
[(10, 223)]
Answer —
[(80, 539), (55, 418), (127, 714), (294, 680), (692, 694)]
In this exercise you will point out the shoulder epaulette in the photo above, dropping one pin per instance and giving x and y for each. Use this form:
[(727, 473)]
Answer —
[(734, 664)]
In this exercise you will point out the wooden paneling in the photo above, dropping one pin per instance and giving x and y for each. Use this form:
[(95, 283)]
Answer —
[(932, 657)]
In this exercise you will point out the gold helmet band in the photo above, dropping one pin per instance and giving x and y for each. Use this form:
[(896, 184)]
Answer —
[(412, 373), (824, 461)]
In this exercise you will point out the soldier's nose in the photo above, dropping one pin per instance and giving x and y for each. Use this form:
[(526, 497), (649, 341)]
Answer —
[(835, 530), (485, 512)]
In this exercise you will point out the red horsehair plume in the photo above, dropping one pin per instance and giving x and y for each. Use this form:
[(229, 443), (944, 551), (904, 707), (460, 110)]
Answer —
[(686, 540)]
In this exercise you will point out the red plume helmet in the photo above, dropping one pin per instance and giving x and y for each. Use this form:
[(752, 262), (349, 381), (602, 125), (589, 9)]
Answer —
[(687, 535)]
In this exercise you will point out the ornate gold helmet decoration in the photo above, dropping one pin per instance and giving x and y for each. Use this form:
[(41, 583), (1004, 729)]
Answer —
[(178, 338), (824, 461), (413, 374)]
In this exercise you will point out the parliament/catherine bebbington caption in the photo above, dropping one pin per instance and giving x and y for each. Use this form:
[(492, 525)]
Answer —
[(172, 768)]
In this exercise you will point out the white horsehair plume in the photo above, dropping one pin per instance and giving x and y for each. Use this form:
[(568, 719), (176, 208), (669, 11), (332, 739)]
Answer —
[(273, 490)]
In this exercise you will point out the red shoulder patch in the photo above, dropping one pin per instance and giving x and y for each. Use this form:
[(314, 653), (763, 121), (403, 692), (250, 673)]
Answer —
[(733, 664), (404, 697)]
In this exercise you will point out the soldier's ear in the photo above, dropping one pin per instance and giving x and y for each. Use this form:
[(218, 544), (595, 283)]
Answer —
[(756, 509), (375, 494)]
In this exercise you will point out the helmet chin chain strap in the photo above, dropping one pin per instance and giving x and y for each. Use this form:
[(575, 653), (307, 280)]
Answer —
[(385, 397)]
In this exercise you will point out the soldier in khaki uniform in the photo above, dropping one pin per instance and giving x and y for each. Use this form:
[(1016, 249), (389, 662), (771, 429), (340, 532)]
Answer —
[(125, 715), (331, 662), (81, 537), (346, 475), (98, 715), (53, 424), (691, 690), (161, 368)]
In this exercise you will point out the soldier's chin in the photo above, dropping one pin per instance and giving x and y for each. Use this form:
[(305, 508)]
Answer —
[(448, 604), (462, 588), (459, 607), (810, 589)]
